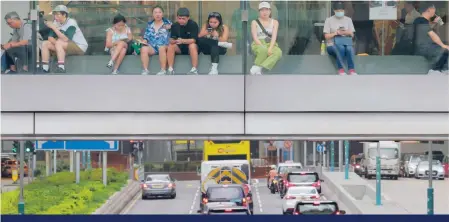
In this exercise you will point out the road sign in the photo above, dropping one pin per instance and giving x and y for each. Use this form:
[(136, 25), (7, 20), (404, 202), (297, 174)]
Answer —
[(81, 145), (319, 147), (15, 175)]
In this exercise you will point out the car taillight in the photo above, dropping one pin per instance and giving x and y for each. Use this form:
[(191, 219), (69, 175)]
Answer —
[(228, 210), (244, 202), (290, 197), (144, 186), (205, 200), (317, 184), (296, 213), (314, 197), (170, 185), (337, 213)]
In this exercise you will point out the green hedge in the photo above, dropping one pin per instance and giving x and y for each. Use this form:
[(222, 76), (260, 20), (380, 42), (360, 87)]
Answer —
[(58, 194)]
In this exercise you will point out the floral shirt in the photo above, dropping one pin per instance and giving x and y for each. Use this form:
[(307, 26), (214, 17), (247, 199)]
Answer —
[(157, 38)]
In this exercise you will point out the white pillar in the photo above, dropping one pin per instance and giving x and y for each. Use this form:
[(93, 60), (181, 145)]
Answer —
[(105, 168), (71, 161), (314, 154)]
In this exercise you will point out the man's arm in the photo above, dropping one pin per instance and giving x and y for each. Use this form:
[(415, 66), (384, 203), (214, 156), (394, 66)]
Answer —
[(437, 40), (23, 41)]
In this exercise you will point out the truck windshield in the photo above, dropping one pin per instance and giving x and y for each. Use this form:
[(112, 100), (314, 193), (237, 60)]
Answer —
[(385, 153)]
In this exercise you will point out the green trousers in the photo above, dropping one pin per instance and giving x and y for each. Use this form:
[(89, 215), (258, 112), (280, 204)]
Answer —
[(261, 53)]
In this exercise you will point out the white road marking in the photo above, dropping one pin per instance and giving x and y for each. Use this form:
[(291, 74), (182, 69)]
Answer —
[(194, 200), (324, 198), (258, 199), (133, 202)]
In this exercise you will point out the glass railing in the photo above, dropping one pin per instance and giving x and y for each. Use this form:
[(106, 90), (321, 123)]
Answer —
[(384, 40)]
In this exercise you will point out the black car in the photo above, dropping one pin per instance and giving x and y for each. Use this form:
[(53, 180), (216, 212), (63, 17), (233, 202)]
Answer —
[(158, 185), (227, 193), (317, 207)]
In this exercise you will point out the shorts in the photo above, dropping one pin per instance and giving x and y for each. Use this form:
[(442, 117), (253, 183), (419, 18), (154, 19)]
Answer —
[(72, 49), (184, 48)]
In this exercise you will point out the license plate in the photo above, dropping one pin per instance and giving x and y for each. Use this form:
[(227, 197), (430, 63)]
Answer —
[(157, 186)]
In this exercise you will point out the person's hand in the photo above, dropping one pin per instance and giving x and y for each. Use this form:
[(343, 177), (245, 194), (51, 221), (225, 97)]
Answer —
[(215, 34), (179, 41), (436, 19), (6, 46), (270, 51), (341, 32), (446, 47), (168, 26), (50, 25)]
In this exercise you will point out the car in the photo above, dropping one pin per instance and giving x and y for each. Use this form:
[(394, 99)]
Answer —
[(411, 163), (234, 193), (295, 194), (324, 207), (230, 210), (9, 165), (422, 170), (158, 185), (301, 178)]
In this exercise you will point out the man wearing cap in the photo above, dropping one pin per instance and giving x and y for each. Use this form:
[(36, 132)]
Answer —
[(17, 47), (183, 37), (65, 38)]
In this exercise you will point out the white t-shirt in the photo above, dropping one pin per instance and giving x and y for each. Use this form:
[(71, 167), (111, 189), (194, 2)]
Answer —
[(333, 23), (78, 37)]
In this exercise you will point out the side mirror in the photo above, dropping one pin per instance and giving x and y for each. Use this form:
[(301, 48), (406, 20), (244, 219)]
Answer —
[(342, 212)]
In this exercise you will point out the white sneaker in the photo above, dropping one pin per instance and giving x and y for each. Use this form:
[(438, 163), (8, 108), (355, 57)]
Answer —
[(145, 72), (161, 73), (171, 71), (434, 72), (445, 72), (226, 45), (110, 64), (254, 70), (193, 71), (115, 72), (213, 71)]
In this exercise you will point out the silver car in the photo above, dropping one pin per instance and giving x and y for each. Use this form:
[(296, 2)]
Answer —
[(158, 185), (411, 164), (422, 170), (295, 194)]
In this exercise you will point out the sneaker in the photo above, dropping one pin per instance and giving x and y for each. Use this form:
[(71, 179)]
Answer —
[(145, 72), (193, 71), (445, 72), (115, 72), (341, 72), (110, 64), (226, 45), (255, 70), (434, 72), (161, 73), (60, 70), (171, 72), (352, 72), (213, 71)]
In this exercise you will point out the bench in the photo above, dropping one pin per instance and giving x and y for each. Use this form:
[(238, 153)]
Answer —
[(232, 65)]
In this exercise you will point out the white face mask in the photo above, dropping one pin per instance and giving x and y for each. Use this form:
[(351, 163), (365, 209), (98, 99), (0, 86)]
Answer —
[(339, 14)]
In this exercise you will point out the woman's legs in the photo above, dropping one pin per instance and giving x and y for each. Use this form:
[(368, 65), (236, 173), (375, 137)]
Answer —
[(145, 53), (119, 59), (116, 52), (272, 59), (162, 60)]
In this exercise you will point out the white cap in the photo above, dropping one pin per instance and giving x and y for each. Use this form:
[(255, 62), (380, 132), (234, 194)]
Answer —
[(61, 8), (264, 5)]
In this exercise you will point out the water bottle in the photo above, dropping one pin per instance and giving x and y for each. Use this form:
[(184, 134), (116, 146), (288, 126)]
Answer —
[(323, 48)]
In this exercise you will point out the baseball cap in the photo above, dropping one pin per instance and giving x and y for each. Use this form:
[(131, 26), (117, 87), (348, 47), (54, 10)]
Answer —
[(61, 8), (339, 6), (264, 5)]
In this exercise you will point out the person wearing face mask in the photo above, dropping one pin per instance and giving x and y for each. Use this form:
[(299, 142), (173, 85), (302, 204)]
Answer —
[(427, 43), (213, 39), (338, 32), (264, 31), (65, 38)]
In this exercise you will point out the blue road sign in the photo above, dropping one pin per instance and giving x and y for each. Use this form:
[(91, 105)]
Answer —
[(82, 145), (319, 147)]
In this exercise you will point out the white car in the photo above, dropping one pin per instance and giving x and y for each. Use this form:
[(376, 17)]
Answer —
[(295, 194)]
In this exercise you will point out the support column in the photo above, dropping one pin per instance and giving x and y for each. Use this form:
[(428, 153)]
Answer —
[(105, 168)]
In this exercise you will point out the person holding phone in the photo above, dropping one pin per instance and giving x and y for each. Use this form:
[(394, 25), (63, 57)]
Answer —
[(65, 38), (17, 47), (183, 40), (428, 44), (155, 41), (117, 38), (264, 31), (338, 32), (213, 39)]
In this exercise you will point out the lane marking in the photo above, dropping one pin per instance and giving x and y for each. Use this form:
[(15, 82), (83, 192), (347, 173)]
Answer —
[(194, 200), (133, 202), (259, 200)]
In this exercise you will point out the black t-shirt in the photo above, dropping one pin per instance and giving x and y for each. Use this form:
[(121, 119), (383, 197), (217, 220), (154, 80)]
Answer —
[(188, 31), (422, 29)]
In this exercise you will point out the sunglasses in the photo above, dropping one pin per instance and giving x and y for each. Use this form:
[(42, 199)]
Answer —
[(214, 14)]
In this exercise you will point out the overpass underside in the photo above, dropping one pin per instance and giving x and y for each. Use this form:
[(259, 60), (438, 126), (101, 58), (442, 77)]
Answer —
[(304, 107)]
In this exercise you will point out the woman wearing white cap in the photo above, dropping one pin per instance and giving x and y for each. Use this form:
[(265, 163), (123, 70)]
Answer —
[(264, 31)]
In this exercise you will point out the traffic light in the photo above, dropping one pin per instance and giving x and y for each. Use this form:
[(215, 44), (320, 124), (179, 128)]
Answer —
[(15, 146), (29, 147)]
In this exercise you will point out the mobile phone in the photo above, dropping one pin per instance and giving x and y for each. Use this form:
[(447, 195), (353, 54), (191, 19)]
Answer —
[(209, 30)]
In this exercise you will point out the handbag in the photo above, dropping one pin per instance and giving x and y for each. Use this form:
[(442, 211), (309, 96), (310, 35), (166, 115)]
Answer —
[(268, 38), (343, 40)]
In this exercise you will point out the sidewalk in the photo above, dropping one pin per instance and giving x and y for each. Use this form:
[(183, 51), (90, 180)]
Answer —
[(8, 185)]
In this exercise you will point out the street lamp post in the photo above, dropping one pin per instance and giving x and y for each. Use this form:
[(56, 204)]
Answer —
[(430, 189), (21, 205), (378, 177), (346, 159), (332, 156)]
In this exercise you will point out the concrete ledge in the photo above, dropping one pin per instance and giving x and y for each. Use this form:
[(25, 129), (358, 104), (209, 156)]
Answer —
[(120, 200), (355, 187)]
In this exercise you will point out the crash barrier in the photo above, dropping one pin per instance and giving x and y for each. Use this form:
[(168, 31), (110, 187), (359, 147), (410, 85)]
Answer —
[(120, 200), (289, 64)]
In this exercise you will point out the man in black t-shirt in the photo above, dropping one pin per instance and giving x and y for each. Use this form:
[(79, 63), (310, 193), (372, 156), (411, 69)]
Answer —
[(428, 43), (183, 37)]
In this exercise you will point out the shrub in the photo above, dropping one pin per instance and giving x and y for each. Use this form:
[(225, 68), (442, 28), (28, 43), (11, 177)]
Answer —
[(58, 194)]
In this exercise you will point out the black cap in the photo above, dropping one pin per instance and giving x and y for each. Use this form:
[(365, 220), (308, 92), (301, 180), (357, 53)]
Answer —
[(339, 6), (183, 12)]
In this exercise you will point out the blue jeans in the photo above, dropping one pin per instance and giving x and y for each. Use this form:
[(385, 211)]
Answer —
[(344, 52)]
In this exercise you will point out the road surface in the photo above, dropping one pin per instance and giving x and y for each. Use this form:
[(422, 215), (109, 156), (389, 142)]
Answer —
[(188, 197)]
